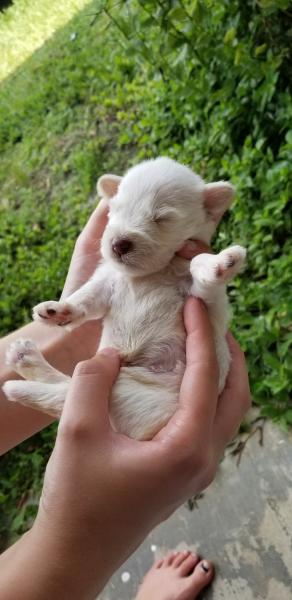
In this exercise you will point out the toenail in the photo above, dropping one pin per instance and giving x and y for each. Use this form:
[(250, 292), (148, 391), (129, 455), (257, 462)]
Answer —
[(205, 567)]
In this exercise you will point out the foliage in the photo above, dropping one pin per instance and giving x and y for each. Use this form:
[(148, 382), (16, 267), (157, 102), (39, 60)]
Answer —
[(226, 108), (26, 24), (203, 82)]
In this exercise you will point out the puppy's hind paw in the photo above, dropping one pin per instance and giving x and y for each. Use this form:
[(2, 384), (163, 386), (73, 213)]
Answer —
[(229, 262), (209, 270), (23, 354)]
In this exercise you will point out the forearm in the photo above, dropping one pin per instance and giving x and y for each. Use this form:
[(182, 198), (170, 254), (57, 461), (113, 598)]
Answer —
[(42, 567), (30, 571), (63, 350)]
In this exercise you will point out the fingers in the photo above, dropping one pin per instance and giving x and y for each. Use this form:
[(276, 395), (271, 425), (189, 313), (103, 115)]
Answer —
[(94, 228), (86, 407), (192, 248), (235, 399), (199, 388), (86, 252)]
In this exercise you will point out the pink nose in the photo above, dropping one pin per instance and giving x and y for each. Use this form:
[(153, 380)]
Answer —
[(122, 246)]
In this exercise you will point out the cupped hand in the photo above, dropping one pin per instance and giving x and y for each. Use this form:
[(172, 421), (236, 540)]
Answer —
[(86, 254), (103, 491), (85, 258)]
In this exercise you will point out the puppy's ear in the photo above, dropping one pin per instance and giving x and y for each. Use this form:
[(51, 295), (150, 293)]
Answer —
[(217, 198), (107, 186)]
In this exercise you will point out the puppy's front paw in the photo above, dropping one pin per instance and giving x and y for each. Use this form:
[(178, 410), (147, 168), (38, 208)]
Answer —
[(56, 313)]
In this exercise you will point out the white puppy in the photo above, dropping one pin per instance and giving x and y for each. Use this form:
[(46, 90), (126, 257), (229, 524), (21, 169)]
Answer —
[(139, 290)]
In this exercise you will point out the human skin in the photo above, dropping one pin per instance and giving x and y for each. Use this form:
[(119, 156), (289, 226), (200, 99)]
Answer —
[(103, 492)]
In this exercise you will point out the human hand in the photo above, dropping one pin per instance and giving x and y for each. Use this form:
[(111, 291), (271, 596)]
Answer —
[(85, 258), (192, 248), (104, 492), (86, 254)]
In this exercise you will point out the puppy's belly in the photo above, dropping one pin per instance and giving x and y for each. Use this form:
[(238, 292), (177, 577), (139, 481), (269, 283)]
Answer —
[(143, 401)]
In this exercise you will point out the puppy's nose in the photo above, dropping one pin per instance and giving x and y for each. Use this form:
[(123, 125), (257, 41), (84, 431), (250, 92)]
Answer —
[(122, 246)]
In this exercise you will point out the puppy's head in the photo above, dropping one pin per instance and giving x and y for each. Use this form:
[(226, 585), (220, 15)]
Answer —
[(154, 209)]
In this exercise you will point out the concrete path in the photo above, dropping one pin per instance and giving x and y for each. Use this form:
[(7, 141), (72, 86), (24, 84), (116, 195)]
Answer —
[(243, 522)]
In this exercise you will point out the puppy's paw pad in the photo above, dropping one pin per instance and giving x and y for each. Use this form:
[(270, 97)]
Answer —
[(55, 313), (229, 262), (22, 353)]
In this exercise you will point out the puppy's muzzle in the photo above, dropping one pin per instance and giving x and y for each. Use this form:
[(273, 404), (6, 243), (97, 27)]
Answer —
[(122, 246)]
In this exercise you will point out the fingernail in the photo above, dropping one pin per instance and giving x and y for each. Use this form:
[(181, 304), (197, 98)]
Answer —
[(205, 567), (109, 352)]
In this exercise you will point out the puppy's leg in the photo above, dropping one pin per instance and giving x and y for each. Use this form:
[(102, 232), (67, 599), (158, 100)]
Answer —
[(25, 358), (210, 274), (89, 302), (47, 387), (47, 397)]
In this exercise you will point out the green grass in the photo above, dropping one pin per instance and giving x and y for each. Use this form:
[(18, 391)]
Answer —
[(27, 24), (150, 83)]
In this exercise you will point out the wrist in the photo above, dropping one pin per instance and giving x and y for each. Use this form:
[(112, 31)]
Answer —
[(56, 344), (40, 568), (67, 563), (20, 422), (80, 553), (62, 348)]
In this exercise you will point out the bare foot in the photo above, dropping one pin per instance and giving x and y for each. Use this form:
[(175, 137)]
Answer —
[(179, 576)]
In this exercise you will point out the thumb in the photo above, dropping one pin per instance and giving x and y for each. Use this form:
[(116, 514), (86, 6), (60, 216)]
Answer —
[(192, 421), (86, 405)]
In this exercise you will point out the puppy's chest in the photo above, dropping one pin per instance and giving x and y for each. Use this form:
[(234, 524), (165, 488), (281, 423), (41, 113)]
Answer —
[(145, 313)]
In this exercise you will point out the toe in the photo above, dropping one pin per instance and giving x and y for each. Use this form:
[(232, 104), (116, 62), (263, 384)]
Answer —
[(188, 564), (158, 564), (201, 577), (169, 559), (180, 557)]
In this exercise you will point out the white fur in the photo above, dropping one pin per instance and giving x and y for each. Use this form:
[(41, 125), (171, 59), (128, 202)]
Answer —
[(156, 206)]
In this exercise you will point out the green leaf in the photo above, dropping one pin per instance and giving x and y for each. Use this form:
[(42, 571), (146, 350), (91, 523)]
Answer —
[(288, 416), (260, 49), (229, 35)]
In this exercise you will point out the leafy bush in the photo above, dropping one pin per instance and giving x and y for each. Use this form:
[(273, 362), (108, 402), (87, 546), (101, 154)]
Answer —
[(225, 107), (204, 82)]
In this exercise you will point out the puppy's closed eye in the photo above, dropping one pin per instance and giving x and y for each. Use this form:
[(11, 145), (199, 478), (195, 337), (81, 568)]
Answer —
[(162, 217)]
